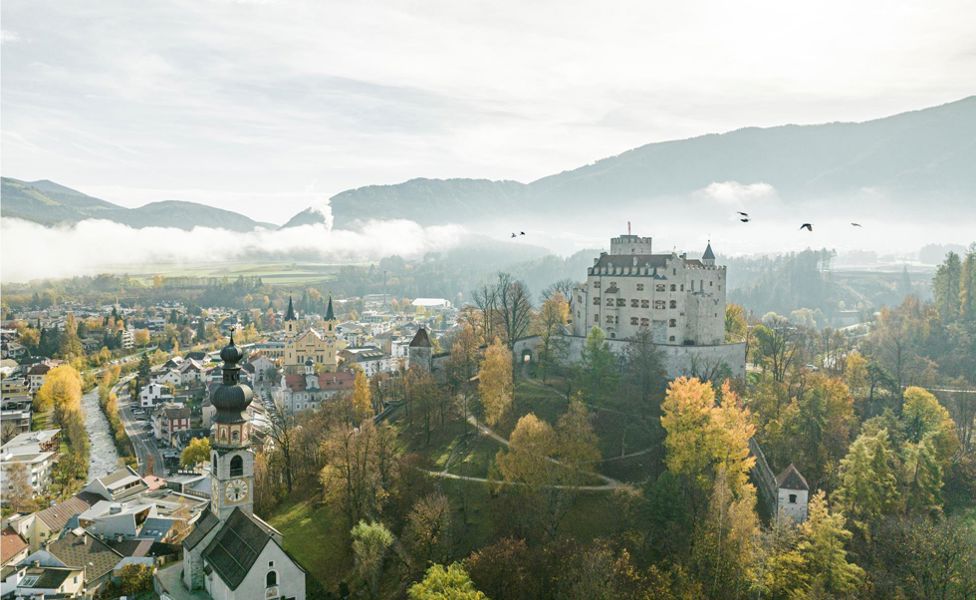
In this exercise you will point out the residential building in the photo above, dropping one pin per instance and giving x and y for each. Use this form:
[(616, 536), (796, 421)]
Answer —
[(309, 390), (152, 394), (13, 547), (170, 418), (370, 359), (30, 581)]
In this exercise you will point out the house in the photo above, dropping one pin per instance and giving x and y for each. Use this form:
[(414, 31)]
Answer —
[(152, 394), (34, 581), (308, 391), (36, 468), (38, 372), (82, 550), (168, 419), (792, 493), (420, 351), (370, 359), (47, 524), (169, 377), (262, 366), (13, 548), (16, 409), (118, 485), (110, 519), (193, 371)]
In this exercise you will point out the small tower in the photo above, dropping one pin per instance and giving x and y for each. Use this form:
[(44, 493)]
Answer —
[(791, 495), (232, 461), (708, 258), (420, 350), (311, 379), (291, 323), (330, 320)]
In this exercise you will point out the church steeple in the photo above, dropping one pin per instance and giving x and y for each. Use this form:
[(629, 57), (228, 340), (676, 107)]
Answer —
[(232, 463), (329, 313), (290, 315)]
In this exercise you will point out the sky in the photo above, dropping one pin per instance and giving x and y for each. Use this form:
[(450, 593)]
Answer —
[(268, 107)]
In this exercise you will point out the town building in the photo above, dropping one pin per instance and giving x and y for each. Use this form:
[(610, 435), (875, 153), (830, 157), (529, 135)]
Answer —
[(370, 359), (169, 419), (792, 493), (303, 344), (310, 389), (153, 393), (231, 553)]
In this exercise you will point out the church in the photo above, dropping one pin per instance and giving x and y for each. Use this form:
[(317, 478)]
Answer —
[(231, 553), (306, 344)]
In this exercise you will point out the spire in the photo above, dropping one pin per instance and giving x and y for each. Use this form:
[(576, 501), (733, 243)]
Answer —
[(708, 251), (290, 315), (329, 313)]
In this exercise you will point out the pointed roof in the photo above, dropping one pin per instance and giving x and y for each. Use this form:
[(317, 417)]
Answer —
[(290, 315), (709, 255), (790, 479), (420, 340), (329, 313), (236, 546)]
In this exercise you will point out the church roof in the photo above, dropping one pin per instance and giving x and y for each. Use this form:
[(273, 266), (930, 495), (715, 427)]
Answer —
[(791, 479), (231, 397), (420, 340), (205, 523), (236, 547), (328, 382), (329, 313), (290, 315), (709, 255)]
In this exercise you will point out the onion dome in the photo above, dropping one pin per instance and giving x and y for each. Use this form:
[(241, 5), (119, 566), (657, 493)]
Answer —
[(231, 397)]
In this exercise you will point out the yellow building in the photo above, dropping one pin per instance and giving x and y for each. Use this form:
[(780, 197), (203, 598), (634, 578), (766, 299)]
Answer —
[(303, 344)]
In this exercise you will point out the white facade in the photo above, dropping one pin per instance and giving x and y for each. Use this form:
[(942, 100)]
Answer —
[(152, 394), (792, 504), (273, 566), (681, 301)]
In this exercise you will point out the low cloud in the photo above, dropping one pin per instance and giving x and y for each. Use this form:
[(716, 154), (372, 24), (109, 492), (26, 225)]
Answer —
[(734, 193), (33, 251)]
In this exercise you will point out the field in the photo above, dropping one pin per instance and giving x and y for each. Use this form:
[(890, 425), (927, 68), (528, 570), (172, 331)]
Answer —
[(270, 273)]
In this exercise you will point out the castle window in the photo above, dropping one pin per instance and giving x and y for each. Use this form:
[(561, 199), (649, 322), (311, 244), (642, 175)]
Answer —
[(235, 436), (674, 288), (621, 302), (674, 271), (711, 284), (792, 498), (609, 320), (672, 322), (640, 287), (236, 466), (596, 318), (596, 301), (271, 579), (671, 339), (633, 320), (596, 284), (660, 287), (634, 303), (682, 287), (659, 304), (645, 322), (609, 301), (674, 304), (645, 303)]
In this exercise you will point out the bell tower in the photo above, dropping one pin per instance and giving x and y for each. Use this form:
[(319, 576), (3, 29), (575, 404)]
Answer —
[(232, 460), (291, 323)]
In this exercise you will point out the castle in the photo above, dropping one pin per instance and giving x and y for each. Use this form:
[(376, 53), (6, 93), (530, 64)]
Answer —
[(679, 300)]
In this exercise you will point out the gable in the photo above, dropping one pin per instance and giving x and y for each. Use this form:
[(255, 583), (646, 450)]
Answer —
[(236, 547)]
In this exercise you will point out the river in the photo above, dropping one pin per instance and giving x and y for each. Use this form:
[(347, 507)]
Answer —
[(104, 457)]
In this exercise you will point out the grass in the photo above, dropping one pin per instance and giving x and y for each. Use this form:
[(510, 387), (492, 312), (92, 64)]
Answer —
[(317, 536)]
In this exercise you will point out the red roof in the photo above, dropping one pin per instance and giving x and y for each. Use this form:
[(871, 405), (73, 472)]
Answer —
[(10, 544), (331, 382)]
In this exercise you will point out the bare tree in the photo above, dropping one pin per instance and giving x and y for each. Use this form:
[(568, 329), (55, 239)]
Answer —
[(514, 308), (282, 434)]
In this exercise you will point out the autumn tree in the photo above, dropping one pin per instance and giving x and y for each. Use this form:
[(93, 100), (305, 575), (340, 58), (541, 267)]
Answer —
[(775, 345), (440, 583), (552, 317), (428, 529), (70, 342), (736, 325), (362, 400), (135, 579), (495, 382), (195, 453), (868, 479), (598, 372), (360, 468), (423, 399), (18, 493), (827, 572), (370, 542)]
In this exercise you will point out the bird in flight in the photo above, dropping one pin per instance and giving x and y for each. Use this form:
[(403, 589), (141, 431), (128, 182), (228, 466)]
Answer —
[(745, 219), (521, 233), (513, 235), (857, 225), (807, 226), (740, 213)]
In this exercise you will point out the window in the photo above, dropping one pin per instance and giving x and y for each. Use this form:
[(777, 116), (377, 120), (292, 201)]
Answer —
[(633, 320), (609, 320), (634, 303), (609, 302), (711, 283), (596, 318), (621, 302), (673, 304), (660, 287), (596, 301), (236, 466), (596, 284), (645, 303), (674, 288), (671, 338), (792, 498), (640, 287), (659, 304), (270, 564), (672, 322), (645, 322), (682, 287), (271, 579), (235, 436)]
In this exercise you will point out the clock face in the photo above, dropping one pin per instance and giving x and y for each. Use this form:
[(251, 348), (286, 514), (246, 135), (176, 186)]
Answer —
[(235, 490)]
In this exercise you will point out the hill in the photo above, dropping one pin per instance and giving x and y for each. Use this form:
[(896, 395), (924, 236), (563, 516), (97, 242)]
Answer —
[(912, 157), (49, 203)]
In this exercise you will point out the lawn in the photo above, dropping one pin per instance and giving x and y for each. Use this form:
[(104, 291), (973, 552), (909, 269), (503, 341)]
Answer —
[(317, 537)]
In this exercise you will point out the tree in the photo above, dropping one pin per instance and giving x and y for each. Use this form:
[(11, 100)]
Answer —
[(514, 306), (577, 446), (370, 542), (360, 468), (135, 579), (19, 494), (196, 452), (428, 530), (452, 583), (141, 337), (946, 287), (822, 426), (736, 326), (145, 370), (281, 431), (868, 479), (362, 401), (423, 397), (821, 549), (528, 458), (505, 569), (495, 382), (552, 317), (70, 342), (923, 417), (599, 368), (776, 345)]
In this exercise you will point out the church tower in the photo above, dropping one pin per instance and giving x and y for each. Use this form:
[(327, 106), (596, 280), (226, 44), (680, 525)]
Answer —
[(330, 321), (291, 323), (232, 461)]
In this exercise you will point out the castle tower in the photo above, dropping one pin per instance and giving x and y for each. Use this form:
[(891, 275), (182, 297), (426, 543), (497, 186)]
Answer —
[(291, 322), (232, 461), (419, 353), (708, 258)]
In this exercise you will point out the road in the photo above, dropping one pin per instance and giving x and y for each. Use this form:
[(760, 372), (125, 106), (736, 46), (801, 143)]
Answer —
[(142, 439)]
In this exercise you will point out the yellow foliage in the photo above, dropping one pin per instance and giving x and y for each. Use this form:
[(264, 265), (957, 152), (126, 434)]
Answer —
[(495, 382)]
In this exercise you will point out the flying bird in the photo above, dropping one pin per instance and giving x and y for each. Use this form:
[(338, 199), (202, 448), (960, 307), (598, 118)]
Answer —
[(513, 235), (739, 212), (521, 233), (745, 219), (857, 225), (807, 226)]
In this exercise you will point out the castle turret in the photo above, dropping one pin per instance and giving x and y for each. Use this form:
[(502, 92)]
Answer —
[(419, 353), (708, 258)]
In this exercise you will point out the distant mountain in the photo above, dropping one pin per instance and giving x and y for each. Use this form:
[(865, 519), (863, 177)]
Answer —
[(49, 203), (914, 157), (309, 216)]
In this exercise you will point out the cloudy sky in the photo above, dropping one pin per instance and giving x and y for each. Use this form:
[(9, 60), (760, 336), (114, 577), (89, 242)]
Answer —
[(267, 107)]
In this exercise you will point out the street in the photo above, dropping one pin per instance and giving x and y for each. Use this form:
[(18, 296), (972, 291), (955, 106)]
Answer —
[(142, 438)]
